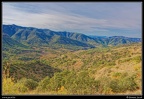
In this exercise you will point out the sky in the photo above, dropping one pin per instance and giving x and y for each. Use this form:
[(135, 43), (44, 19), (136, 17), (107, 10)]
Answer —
[(90, 18)]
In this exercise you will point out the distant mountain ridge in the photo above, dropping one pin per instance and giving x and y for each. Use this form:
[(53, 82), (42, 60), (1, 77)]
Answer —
[(45, 37)]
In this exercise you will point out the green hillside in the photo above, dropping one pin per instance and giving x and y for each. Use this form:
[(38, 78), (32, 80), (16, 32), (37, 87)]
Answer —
[(31, 36), (44, 37), (42, 61), (97, 71), (9, 42)]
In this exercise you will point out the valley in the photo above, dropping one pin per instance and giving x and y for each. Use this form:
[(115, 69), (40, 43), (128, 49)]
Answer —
[(41, 61)]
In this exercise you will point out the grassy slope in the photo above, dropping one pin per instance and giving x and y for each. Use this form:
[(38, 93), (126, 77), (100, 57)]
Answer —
[(111, 63)]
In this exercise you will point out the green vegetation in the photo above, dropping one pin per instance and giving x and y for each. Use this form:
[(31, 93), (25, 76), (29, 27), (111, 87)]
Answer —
[(41, 61), (109, 70), (18, 36)]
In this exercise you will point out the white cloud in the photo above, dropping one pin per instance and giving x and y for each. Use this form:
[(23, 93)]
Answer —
[(56, 17)]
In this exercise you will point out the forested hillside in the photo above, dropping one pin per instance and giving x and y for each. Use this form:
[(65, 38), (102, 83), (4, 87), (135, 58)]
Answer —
[(71, 49), (31, 36), (111, 70)]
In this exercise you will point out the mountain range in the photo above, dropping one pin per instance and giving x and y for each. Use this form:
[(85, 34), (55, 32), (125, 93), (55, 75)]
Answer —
[(14, 35)]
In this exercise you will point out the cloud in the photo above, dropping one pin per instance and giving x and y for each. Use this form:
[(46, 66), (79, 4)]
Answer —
[(65, 17)]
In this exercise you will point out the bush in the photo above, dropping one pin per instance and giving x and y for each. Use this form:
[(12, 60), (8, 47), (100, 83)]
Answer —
[(30, 84), (104, 87), (114, 86), (7, 81), (123, 84), (7, 86), (129, 83), (20, 87), (42, 86), (24, 85), (137, 59)]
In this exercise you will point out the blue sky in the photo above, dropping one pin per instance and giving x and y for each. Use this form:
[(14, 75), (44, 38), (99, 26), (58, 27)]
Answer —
[(90, 18)]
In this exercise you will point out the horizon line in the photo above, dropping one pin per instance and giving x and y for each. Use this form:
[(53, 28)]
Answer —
[(72, 32)]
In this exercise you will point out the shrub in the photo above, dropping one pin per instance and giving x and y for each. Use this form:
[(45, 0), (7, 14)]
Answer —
[(7, 86), (129, 83), (42, 86), (7, 81), (62, 90), (26, 84), (30, 84), (114, 85), (104, 87), (123, 84), (137, 59), (20, 87)]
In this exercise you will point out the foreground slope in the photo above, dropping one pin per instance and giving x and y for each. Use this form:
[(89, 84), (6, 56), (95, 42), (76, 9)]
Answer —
[(99, 71)]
